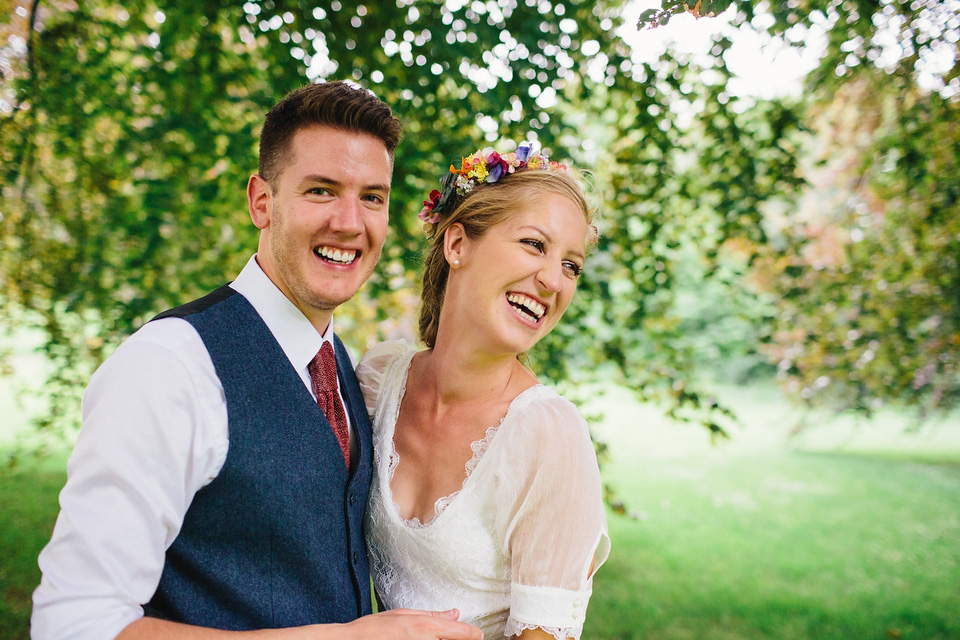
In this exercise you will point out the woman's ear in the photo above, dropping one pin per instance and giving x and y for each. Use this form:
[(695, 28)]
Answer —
[(454, 241)]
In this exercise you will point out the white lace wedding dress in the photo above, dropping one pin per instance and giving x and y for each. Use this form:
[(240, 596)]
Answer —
[(513, 548)]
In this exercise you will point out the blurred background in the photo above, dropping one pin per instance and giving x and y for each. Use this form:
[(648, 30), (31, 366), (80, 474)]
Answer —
[(766, 338)]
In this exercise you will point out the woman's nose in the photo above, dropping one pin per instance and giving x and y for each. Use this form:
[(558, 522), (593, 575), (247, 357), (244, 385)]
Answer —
[(550, 276)]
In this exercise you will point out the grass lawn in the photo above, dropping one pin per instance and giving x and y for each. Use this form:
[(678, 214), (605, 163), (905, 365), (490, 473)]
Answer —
[(28, 509), (848, 530)]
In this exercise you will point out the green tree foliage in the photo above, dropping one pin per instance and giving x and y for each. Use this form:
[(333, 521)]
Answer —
[(867, 271), (132, 130), (870, 283), (123, 170), (651, 18)]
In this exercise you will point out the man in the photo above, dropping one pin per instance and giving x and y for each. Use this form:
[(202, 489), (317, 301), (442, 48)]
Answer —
[(221, 473)]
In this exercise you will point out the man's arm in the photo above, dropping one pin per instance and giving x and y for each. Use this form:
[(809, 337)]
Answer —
[(147, 444), (398, 624)]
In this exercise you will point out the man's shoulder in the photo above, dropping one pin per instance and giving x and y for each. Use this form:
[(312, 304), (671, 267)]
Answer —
[(167, 338), (200, 304), (161, 356)]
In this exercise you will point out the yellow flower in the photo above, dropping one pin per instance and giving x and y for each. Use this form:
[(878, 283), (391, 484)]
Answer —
[(478, 171), (474, 167), (465, 165)]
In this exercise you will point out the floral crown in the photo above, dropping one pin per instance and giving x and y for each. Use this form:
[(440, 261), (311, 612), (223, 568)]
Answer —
[(485, 166)]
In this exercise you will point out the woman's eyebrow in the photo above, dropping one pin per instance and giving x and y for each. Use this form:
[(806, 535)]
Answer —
[(533, 227)]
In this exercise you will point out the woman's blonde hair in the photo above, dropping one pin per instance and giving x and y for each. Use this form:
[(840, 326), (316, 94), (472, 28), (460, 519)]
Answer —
[(484, 207)]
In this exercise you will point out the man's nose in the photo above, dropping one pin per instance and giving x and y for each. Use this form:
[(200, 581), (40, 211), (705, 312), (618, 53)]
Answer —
[(348, 217)]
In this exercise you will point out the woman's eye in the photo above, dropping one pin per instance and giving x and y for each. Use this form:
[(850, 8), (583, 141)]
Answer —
[(536, 244), (573, 268)]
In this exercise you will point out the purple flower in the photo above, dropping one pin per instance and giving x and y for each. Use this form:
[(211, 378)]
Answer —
[(523, 151)]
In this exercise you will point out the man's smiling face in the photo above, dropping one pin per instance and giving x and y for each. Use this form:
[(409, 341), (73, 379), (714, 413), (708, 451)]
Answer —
[(324, 223)]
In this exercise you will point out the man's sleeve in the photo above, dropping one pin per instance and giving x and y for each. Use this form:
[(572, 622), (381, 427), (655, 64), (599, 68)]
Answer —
[(153, 433)]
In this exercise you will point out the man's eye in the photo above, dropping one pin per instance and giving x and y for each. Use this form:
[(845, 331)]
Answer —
[(319, 191), (372, 197)]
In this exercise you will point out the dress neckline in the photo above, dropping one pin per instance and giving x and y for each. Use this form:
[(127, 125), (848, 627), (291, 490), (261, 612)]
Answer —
[(479, 448)]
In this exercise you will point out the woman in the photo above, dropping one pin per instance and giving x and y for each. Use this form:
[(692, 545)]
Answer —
[(486, 495)]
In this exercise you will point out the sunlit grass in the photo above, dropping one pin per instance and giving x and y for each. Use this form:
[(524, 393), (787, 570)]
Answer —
[(28, 509), (772, 536)]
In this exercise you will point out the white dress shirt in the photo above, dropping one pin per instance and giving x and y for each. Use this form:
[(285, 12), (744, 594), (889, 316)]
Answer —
[(154, 433)]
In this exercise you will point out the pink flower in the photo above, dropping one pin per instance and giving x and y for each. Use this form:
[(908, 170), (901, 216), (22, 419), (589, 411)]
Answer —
[(426, 214)]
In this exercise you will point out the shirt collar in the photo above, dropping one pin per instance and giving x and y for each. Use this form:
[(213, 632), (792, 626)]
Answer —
[(297, 337)]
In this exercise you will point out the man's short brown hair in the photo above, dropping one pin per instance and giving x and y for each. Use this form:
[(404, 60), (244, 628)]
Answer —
[(332, 104)]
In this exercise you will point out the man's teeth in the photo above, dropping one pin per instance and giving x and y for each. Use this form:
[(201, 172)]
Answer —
[(343, 256), (526, 305)]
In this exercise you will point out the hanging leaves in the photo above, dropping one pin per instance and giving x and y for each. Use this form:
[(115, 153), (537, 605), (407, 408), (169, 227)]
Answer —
[(651, 18)]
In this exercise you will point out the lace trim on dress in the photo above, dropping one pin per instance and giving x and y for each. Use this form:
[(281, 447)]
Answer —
[(515, 628), (478, 447)]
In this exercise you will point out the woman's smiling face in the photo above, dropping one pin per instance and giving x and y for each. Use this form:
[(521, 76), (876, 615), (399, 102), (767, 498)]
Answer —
[(515, 282)]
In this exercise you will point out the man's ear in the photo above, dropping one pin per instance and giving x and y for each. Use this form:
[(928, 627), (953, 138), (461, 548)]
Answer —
[(454, 244), (259, 196)]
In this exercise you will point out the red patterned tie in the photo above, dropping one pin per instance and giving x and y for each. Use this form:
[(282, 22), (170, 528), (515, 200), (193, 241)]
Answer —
[(323, 375)]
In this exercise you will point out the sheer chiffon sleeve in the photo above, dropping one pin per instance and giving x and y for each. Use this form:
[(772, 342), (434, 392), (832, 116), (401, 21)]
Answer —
[(550, 516), (372, 368)]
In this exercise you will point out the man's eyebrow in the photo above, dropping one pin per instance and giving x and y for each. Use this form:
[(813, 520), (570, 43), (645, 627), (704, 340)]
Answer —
[(316, 178)]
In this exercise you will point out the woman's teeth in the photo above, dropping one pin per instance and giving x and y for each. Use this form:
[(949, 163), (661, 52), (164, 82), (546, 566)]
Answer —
[(526, 305)]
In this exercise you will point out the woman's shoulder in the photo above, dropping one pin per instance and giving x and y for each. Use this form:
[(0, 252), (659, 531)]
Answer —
[(541, 399), (374, 367), (542, 414), (546, 451), (379, 356)]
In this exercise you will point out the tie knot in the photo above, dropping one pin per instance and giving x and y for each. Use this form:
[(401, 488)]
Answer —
[(323, 369)]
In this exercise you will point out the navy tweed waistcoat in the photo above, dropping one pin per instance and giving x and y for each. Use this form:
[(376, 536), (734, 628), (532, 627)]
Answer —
[(276, 539)]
